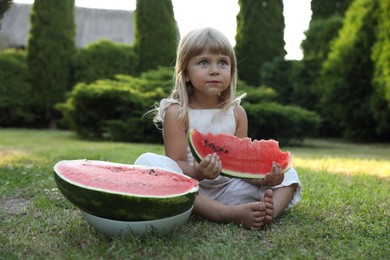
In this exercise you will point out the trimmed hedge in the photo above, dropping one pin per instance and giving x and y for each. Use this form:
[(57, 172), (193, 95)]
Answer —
[(112, 110), (161, 77), (256, 95), (269, 120), (115, 110)]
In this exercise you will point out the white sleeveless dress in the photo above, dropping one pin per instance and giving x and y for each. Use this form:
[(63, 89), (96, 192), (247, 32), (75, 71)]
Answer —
[(229, 191)]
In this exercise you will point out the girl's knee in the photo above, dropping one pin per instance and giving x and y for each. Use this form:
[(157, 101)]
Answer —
[(157, 160), (146, 159)]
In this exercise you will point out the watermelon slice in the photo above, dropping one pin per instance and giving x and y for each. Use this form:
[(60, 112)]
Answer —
[(241, 157), (124, 192)]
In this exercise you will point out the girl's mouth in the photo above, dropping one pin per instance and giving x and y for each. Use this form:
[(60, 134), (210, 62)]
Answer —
[(213, 81)]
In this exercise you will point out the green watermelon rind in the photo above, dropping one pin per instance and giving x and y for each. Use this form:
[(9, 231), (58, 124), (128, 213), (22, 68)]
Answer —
[(225, 172), (244, 175), (124, 207)]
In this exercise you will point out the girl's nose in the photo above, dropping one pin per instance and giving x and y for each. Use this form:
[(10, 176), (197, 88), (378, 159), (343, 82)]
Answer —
[(214, 69)]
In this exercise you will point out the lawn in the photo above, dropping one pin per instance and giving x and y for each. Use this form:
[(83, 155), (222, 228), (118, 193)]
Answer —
[(344, 212)]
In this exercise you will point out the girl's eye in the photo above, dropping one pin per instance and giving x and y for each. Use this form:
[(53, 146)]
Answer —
[(203, 62), (223, 62)]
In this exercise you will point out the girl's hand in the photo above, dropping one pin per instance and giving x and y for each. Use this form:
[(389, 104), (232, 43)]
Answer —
[(275, 177), (208, 168)]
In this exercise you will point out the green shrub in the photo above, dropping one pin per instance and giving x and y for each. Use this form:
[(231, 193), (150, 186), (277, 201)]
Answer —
[(15, 89), (104, 60), (134, 129), (161, 77), (269, 120), (112, 109), (256, 94), (115, 110)]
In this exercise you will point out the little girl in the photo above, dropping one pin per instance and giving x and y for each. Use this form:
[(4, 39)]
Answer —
[(204, 97)]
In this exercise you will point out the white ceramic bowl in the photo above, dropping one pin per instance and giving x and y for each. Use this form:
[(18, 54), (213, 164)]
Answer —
[(111, 227)]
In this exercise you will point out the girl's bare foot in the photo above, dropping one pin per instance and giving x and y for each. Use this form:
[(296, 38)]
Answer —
[(250, 215), (269, 206)]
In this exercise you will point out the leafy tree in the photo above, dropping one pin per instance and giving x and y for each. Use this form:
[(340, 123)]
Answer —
[(324, 9), (259, 38), (315, 47), (50, 50), (380, 100), (326, 21), (321, 32), (155, 34), (348, 100), (381, 51)]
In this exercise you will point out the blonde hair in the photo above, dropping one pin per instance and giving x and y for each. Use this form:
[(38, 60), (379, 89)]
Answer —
[(191, 45)]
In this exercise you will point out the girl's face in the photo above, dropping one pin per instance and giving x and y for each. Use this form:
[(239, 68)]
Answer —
[(209, 73)]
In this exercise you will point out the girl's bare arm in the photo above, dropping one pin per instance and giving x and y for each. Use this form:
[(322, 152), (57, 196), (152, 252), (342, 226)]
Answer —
[(175, 143), (241, 121)]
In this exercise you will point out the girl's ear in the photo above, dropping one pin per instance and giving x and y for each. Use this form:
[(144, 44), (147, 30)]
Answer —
[(187, 77)]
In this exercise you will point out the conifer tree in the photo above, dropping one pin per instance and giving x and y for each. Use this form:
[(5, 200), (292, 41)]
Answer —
[(259, 38), (4, 5), (155, 34), (50, 50)]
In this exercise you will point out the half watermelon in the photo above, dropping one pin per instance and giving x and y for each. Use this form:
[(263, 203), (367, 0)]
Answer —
[(124, 192), (240, 157)]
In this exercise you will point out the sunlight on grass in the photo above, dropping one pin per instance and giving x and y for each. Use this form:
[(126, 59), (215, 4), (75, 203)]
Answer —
[(347, 166), (335, 219), (8, 156)]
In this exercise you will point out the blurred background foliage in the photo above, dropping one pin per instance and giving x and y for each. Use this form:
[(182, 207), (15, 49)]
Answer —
[(341, 87)]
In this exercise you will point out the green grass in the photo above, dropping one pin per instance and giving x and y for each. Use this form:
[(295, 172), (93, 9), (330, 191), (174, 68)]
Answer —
[(344, 212)]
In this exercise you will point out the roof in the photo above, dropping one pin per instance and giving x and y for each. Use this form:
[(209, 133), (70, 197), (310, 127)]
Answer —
[(91, 25)]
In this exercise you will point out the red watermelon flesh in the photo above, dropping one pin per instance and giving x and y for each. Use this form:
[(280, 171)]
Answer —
[(124, 192), (127, 179), (241, 157)]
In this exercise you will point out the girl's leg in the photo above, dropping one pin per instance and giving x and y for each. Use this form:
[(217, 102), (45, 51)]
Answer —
[(287, 194), (250, 215), (156, 160), (276, 201), (268, 200), (282, 197)]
